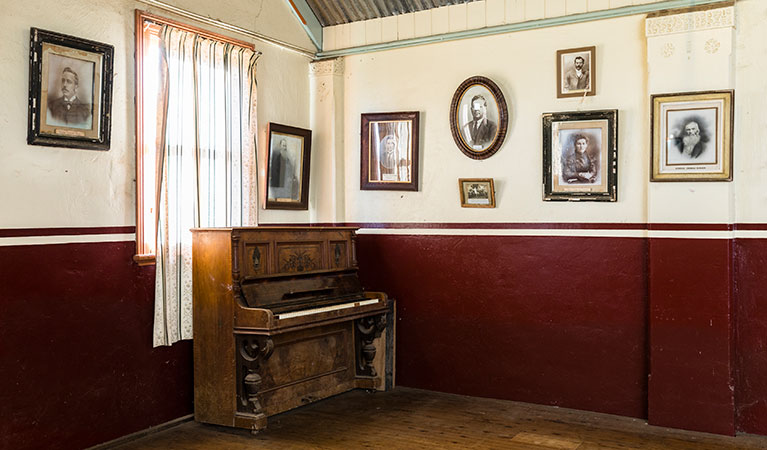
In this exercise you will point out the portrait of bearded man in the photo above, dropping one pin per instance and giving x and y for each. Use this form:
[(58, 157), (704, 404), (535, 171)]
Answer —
[(692, 139)]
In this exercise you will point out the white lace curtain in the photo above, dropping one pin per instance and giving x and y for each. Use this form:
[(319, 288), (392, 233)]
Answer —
[(207, 162)]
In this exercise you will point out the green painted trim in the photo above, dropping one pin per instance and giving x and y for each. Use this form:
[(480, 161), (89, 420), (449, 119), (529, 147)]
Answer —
[(521, 26), (312, 26)]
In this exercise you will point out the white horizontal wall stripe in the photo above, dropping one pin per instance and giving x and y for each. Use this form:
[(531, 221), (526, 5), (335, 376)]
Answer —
[(66, 239), (606, 233)]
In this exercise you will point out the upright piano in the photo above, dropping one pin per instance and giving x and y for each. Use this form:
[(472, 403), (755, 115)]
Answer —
[(280, 320)]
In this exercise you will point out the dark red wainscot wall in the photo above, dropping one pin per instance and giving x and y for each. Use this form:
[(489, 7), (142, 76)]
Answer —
[(549, 320), (691, 335), (751, 319), (76, 358)]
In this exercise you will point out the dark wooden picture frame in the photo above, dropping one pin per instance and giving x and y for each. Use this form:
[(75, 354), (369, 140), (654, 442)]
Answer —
[(572, 82), (477, 192), (479, 117), (70, 91), (287, 168), (692, 136), (389, 151), (580, 156)]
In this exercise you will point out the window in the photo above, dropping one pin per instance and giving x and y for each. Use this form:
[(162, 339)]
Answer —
[(151, 99), (195, 156)]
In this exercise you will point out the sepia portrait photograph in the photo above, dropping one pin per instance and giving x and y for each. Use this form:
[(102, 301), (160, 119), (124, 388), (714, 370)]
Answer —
[(477, 192), (479, 117), (70, 86), (580, 155), (692, 137), (287, 173), (576, 74), (68, 99), (389, 158)]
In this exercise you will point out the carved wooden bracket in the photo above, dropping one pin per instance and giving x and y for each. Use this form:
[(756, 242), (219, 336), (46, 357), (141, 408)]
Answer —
[(252, 351), (236, 268), (367, 329)]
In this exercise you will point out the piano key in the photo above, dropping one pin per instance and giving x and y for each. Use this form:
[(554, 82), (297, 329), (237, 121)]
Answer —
[(307, 312)]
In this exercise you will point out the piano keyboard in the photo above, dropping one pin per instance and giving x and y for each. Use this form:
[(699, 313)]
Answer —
[(306, 312)]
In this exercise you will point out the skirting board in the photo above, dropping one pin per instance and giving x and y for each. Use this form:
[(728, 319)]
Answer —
[(139, 434)]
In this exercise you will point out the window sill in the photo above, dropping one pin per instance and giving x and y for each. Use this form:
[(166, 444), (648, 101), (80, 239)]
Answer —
[(144, 260)]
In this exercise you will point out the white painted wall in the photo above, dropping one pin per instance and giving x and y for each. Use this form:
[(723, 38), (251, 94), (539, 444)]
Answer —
[(56, 187), (424, 78), (523, 64), (750, 146), (679, 62)]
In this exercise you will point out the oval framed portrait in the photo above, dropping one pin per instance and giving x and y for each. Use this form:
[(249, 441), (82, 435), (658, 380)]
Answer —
[(478, 117)]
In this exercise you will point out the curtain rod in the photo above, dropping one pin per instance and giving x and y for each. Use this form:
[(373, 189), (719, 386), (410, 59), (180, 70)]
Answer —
[(223, 25)]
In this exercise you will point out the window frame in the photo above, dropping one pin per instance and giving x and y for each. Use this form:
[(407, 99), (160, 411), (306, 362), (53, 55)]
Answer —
[(145, 253)]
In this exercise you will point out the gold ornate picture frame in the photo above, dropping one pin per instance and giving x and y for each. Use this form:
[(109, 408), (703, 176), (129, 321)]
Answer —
[(692, 136)]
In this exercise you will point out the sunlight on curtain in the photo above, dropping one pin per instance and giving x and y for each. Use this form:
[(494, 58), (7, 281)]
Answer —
[(208, 167)]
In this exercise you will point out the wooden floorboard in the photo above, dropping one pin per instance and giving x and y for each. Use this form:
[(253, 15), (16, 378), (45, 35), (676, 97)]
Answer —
[(414, 419)]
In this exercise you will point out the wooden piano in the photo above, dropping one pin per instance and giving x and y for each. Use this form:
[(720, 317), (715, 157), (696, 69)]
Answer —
[(280, 320)]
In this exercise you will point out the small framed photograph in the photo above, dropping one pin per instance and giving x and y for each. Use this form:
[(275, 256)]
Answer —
[(580, 156), (576, 72), (692, 136), (287, 171), (479, 117), (70, 91), (389, 158), (477, 192)]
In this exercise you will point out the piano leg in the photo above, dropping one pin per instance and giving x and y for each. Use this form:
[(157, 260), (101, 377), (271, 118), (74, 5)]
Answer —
[(253, 351), (367, 330)]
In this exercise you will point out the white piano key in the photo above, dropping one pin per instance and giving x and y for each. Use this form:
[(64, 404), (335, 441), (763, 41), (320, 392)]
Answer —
[(307, 312)]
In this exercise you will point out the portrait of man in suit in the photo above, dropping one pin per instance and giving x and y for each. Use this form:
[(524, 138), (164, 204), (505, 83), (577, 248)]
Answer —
[(577, 76), (576, 72), (480, 131), (65, 106)]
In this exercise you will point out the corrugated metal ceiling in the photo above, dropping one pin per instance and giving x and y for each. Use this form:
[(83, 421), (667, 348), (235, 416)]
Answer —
[(335, 12)]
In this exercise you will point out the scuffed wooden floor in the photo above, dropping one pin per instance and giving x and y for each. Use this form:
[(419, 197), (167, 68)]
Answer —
[(415, 419)]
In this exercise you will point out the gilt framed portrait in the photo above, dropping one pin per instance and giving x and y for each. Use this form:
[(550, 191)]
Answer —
[(477, 192), (479, 117), (692, 136), (287, 169), (580, 156), (70, 91), (389, 154), (576, 72)]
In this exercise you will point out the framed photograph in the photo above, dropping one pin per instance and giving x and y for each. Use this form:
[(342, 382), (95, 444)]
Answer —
[(70, 91), (692, 136), (287, 170), (477, 192), (580, 156), (479, 117), (389, 158), (576, 72)]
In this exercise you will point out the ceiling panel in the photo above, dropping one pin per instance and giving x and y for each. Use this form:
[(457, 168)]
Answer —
[(335, 12)]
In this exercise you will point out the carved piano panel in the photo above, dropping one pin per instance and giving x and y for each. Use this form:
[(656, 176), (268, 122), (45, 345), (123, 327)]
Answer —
[(281, 320)]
